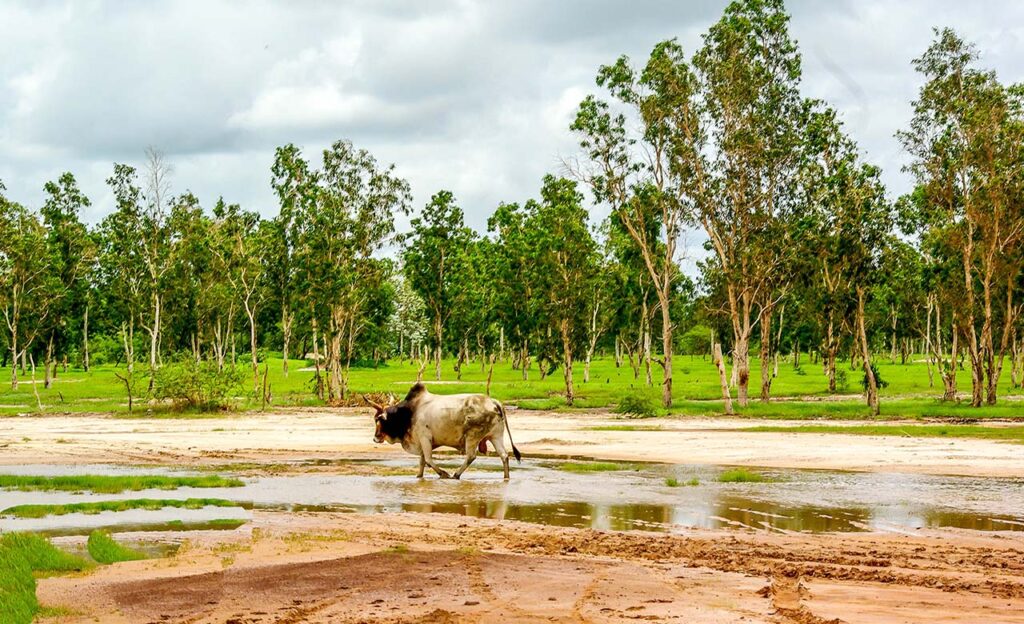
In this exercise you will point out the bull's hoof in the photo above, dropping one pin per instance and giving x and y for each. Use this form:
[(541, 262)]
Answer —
[(444, 475), (456, 476)]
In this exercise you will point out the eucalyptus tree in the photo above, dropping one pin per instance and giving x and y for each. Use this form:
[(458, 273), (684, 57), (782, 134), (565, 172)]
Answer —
[(337, 235), (239, 243), (409, 320), (565, 265), (515, 302), (966, 138), (295, 185), (749, 71), (434, 261), (845, 228), (651, 190), (29, 285), (72, 255), (122, 265), (155, 239)]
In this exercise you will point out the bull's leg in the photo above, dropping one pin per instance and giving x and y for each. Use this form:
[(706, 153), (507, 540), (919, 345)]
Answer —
[(427, 457), (471, 450), (419, 475), (499, 446)]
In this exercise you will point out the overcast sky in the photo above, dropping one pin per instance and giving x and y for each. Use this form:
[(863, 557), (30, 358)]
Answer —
[(475, 97)]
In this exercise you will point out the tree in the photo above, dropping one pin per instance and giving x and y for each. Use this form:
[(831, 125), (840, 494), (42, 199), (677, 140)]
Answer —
[(154, 236), (651, 195), (434, 259), (566, 264), (352, 217), (966, 139), (749, 71), (295, 186), (29, 287), (72, 255)]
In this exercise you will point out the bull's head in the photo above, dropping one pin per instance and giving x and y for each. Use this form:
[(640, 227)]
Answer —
[(379, 416)]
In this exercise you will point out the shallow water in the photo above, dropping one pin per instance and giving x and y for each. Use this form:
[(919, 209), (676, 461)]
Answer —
[(792, 500)]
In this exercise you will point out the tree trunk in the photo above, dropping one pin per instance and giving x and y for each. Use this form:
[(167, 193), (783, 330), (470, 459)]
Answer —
[(666, 340), (766, 349), (85, 339), (723, 380), (567, 365), (739, 311), (438, 331), (48, 364), (524, 360), (251, 313), (286, 330), (872, 385)]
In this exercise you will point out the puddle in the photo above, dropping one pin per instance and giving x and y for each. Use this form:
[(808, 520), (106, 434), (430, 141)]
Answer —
[(793, 500)]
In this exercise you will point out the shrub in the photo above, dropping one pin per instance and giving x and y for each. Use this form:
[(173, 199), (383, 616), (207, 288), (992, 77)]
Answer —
[(739, 475), (878, 379), (201, 385), (842, 380), (637, 406)]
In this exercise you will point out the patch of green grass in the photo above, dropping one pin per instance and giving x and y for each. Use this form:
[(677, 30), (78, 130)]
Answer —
[(41, 555), (1006, 434), (41, 511), (674, 482), (105, 550), (102, 484), (22, 555), (626, 428), (57, 611), (740, 475), (593, 466)]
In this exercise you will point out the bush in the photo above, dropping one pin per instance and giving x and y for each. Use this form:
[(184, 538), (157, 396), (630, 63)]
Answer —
[(200, 385), (637, 406), (842, 381), (878, 379)]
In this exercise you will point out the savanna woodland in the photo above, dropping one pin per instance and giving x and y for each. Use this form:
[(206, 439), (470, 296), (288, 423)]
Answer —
[(813, 278)]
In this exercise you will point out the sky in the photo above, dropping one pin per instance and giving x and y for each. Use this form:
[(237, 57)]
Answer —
[(474, 97)]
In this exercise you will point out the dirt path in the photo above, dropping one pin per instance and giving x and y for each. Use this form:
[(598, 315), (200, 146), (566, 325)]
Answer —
[(429, 568), (318, 433)]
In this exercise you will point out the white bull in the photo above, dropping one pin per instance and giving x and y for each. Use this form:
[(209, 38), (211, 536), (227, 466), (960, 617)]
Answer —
[(423, 422)]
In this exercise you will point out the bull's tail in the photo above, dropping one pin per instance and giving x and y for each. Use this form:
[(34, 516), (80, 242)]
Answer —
[(515, 451)]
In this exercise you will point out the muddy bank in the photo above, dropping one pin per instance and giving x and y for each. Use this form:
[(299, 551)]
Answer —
[(294, 435), (430, 568)]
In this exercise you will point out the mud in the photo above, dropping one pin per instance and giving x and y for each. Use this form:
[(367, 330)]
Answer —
[(430, 568)]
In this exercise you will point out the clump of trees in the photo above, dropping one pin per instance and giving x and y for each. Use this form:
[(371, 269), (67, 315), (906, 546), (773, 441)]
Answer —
[(807, 254)]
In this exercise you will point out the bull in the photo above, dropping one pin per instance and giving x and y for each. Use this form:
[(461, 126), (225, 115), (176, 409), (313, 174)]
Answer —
[(423, 422)]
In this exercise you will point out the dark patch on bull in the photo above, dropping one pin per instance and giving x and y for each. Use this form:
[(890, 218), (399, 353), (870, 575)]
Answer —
[(397, 421), (415, 392)]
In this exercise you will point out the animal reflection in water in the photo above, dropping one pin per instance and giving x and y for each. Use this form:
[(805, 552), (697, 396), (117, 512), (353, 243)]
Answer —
[(423, 422)]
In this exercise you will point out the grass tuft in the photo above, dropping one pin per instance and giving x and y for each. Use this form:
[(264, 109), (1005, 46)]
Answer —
[(21, 555), (41, 511), (740, 475), (583, 467), (1005, 434), (102, 484), (674, 482), (105, 550)]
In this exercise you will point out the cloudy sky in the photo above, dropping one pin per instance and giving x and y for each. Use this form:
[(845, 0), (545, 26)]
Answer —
[(475, 97)]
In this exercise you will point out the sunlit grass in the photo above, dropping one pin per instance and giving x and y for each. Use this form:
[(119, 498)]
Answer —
[(104, 549), (22, 556), (1007, 433), (104, 484), (42, 511), (740, 475)]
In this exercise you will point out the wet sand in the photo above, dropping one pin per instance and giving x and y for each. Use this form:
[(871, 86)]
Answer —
[(421, 567), (346, 433), (432, 568)]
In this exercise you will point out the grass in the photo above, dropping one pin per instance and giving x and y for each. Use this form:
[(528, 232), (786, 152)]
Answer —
[(105, 550), (111, 484), (674, 482), (22, 556), (740, 475), (41, 511), (626, 428), (695, 387), (595, 466), (1005, 434)]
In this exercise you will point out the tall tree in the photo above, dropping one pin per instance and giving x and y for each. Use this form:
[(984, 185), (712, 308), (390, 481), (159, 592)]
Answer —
[(967, 140), (434, 259)]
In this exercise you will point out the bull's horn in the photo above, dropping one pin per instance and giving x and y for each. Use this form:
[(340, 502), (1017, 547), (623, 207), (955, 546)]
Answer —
[(374, 405)]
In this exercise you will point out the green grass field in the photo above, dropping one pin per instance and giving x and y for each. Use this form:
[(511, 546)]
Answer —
[(109, 484), (695, 387), (1007, 434), (41, 511)]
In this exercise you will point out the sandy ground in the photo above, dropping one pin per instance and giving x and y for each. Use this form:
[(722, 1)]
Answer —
[(431, 568), (428, 568), (310, 434)]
